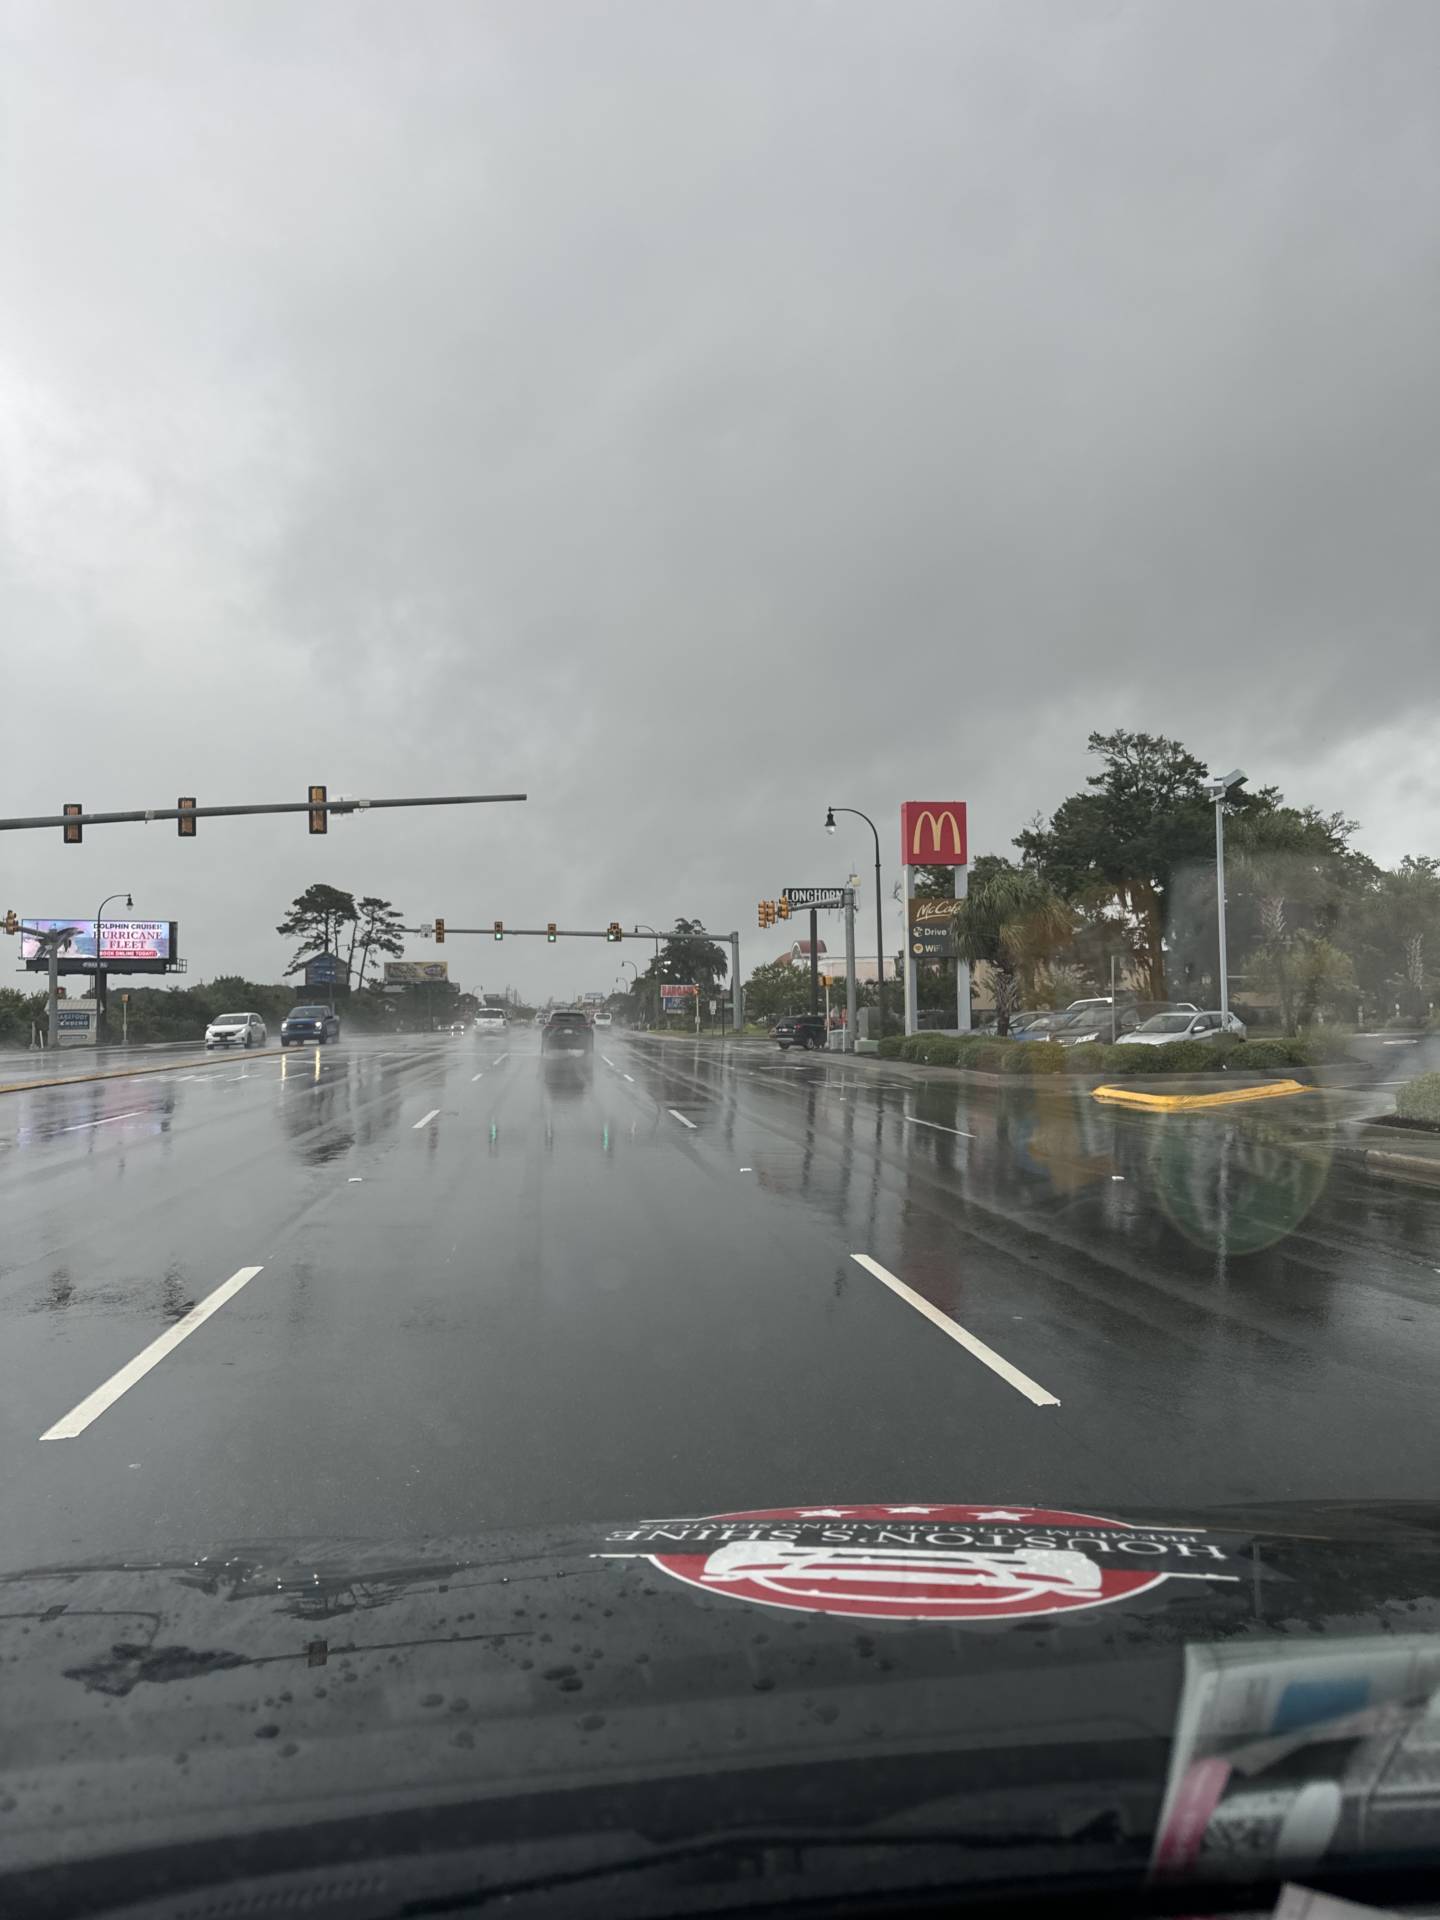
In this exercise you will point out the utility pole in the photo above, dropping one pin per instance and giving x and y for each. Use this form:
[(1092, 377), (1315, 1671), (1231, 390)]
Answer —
[(814, 960)]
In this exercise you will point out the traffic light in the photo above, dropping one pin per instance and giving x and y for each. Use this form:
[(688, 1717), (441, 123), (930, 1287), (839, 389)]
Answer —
[(439, 933), (72, 832), (319, 818), (550, 933), (782, 907), (186, 828), (499, 929), (612, 932), (767, 913), (12, 921)]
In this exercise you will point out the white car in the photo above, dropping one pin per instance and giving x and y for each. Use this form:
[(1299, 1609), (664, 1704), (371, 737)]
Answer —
[(1162, 1028), (236, 1030), (490, 1024)]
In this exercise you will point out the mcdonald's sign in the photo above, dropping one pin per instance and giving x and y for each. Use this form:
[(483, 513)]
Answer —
[(932, 834)]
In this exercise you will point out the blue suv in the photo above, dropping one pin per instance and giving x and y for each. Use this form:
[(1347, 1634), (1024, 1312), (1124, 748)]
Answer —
[(309, 1023)]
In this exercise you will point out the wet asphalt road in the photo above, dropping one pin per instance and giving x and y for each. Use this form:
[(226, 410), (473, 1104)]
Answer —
[(495, 1290)]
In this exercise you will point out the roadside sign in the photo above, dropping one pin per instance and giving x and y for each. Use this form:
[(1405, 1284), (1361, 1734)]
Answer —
[(814, 896), (676, 999), (404, 973), (932, 928), (933, 833), (322, 971)]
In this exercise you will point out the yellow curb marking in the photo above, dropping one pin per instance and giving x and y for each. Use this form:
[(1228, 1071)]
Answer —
[(1184, 1102)]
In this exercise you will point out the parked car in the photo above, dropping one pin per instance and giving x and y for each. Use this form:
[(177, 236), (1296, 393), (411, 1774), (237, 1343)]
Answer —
[(1181, 1024), (236, 1030), (309, 1023), (799, 1030), (567, 1030)]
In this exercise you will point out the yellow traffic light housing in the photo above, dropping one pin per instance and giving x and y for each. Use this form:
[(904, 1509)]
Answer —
[(185, 825), (319, 817), (439, 933), (782, 907), (72, 833)]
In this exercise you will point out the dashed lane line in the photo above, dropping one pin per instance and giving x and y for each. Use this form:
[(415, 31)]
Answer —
[(913, 1120), (425, 1120), (681, 1118), (93, 1405), (987, 1356)]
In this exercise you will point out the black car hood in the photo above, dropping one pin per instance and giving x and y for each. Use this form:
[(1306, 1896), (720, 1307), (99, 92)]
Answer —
[(287, 1685)]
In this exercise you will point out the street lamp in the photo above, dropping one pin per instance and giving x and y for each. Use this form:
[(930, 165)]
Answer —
[(1218, 791), (830, 814), (99, 1006), (640, 927)]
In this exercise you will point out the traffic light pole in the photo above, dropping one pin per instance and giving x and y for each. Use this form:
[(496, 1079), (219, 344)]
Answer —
[(737, 994), (147, 814)]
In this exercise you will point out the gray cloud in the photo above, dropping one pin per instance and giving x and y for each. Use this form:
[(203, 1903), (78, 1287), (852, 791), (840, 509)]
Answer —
[(695, 414)]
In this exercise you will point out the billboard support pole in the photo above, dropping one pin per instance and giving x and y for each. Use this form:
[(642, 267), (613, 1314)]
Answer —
[(814, 960), (962, 967), (54, 993), (911, 996)]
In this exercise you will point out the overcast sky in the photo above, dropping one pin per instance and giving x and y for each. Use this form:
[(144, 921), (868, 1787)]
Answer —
[(693, 414)]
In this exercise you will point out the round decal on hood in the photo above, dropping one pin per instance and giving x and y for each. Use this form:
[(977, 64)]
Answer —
[(922, 1562)]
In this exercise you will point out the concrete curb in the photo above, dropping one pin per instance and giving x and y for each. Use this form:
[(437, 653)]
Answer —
[(131, 1073)]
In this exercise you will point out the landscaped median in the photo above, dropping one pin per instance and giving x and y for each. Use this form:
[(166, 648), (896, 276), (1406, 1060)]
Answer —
[(983, 1054)]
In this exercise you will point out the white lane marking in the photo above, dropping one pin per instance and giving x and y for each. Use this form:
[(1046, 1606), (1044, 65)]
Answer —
[(80, 1125), (997, 1363), (500, 1058), (630, 1077), (476, 1076), (96, 1403), (606, 1058), (425, 1120), (681, 1118), (912, 1121)]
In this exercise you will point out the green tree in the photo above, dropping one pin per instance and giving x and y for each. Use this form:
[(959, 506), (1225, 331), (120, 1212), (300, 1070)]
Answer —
[(314, 922), (1407, 905), (1123, 843), (1290, 880), (776, 988), (689, 954), (377, 929), (1014, 922)]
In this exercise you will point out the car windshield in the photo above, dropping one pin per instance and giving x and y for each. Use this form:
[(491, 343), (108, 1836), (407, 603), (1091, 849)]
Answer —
[(764, 597)]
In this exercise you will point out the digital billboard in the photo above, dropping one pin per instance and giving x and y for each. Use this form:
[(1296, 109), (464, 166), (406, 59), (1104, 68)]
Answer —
[(126, 946)]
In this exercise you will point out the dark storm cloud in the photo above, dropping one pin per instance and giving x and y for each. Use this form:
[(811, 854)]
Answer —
[(695, 414)]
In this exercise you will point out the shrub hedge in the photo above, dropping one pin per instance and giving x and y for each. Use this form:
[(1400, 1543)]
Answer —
[(1419, 1099), (991, 1055)]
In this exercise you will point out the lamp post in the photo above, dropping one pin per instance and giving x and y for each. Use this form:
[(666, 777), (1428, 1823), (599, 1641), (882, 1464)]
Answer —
[(99, 975), (640, 927), (1219, 792), (830, 814)]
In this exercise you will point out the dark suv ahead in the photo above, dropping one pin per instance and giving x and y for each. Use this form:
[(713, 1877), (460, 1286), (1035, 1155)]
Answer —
[(568, 1030), (309, 1023), (799, 1030)]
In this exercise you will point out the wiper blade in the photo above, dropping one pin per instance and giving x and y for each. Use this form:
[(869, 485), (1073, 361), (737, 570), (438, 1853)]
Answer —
[(768, 1851)]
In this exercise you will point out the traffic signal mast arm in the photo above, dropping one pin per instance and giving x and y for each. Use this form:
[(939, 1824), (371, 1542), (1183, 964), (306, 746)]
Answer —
[(147, 814)]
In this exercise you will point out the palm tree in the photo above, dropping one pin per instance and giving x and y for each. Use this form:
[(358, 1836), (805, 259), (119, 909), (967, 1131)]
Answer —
[(1015, 923)]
